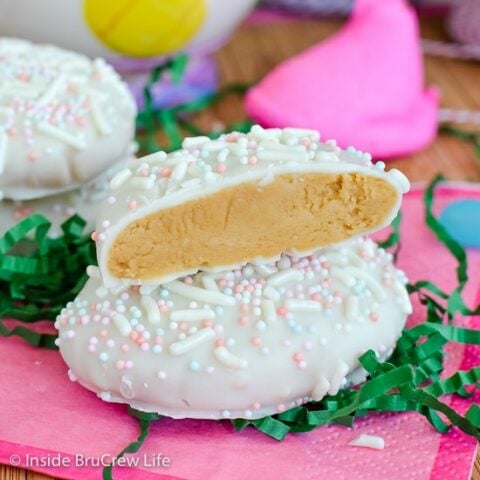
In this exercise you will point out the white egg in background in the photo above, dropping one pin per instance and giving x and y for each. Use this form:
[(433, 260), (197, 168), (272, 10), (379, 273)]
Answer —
[(115, 28)]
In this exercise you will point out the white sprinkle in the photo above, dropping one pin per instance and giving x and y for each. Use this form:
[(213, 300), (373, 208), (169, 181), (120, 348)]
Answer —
[(153, 312), (276, 155), (368, 441), (338, 378), (121, 322), (52, 91), (120, 178), (342, 276), (200, 294), (190, 142), (157, 157), (222, 156), (179, 172), (285, 276), (101, 292), (197, 338), (209, 283), (295, 305), (93, 272), (145, 183), (268, 309), (271, 293), (192, 315), (61, 135), (320, 389), (228, 359), (351, 307), (264, 270), (3, 150), (99, 118)]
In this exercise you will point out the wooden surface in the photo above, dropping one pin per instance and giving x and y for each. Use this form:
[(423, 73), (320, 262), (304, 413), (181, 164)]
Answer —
[(255, 49)]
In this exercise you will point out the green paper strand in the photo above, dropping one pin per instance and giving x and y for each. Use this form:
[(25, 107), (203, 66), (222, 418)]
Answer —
[(144, 421)]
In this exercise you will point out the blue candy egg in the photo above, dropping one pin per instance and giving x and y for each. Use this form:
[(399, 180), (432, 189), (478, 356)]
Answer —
[(461, 219)]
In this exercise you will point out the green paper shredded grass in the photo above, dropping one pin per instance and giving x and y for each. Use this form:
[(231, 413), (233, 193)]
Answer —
[(39, 275)]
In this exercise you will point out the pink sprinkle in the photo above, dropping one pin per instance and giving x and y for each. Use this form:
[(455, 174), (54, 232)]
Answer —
[(298, 357), (158, 340), (125, 348), (243, 320), (239, 289), (256, 405), (387, 282), (256, 341), (12, 131), (91, 348), (32, 156), (132, 204), (244, 308), (120, 364), (281, 407), (374, 316), (250, 288), (134, 335), (166, 172), (338, 294), (222, 283), (252, 160), (219, 343), (188, 280), (220, 168), (136, 288), (282, 311), (163, 308), (103, 333), (183, 327), (94, 236), (306, 142), (208, 323)]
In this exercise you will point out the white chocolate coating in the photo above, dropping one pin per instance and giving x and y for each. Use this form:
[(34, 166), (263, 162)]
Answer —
[(239, 344), (64, 119), (82, 201), (204, 167)]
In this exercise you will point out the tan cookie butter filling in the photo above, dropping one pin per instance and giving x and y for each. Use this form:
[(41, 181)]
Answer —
[(300, 212)]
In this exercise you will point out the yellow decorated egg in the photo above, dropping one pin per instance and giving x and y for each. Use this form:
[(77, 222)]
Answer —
[(112, 28)]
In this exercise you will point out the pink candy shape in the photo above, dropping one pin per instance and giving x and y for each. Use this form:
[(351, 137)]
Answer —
[(363, 86)]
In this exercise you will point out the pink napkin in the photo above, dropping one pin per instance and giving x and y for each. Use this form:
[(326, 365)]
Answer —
[(363, 86), (45, 415)]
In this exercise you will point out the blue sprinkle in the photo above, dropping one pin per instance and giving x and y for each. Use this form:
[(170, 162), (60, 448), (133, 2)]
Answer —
[(461, 219), (103, 356), (164, 293), (219, 310), (228, 291), (133, 322), (298, 329), (156, 349), (194, 366)]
